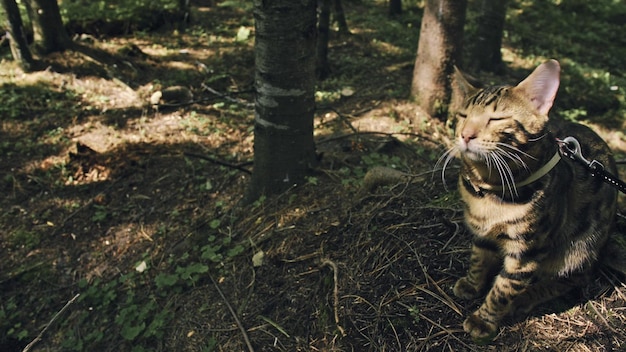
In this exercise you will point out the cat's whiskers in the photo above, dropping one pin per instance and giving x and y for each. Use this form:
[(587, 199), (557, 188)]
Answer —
[(512, 156), (446, 158), (496, 157), (516, 155), (506, 174), (538, 138), (515, 149)]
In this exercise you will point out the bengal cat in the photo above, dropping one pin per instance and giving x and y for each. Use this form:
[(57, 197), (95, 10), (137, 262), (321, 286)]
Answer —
[(539, 222)]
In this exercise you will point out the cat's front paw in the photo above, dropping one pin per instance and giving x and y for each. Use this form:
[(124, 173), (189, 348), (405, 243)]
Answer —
[(481, 331), (463, 289)]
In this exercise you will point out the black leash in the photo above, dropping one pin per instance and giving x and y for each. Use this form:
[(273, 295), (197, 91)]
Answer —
[(570, 147)]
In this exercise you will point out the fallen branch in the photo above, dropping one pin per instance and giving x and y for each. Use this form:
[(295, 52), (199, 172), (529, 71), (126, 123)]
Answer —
[(335, 292), (218, 162), (229, 98), (345, 120), (43, 331)]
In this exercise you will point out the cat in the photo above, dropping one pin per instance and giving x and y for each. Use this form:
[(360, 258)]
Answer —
[(539, 221)]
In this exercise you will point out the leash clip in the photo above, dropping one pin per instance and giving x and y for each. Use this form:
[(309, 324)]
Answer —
[(570, 147)]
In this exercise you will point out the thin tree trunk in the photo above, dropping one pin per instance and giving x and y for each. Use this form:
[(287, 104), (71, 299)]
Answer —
[(49, 33), (395, 7), (284, 149), (486, 54), (340, 18), (439, 48), (17, 38), (322, 67), (184, 8)]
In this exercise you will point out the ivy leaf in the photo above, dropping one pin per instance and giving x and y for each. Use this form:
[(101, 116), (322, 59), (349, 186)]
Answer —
[(235, 250), (165, 280), (130, 332)]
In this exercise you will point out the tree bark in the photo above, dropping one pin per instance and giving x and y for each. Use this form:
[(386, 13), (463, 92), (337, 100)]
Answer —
[(486, 54), (323, 27), (395, 8), (284, 149), (17, 38), (184, 7), (340, 18), (439, 48), (49, 33)]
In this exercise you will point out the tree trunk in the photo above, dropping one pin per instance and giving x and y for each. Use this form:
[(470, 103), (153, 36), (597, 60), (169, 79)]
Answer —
[(50, 35), (486, 54), (17, 38), (340, 18), (439, 48), (184, 8), (323, 27), (284, 149)]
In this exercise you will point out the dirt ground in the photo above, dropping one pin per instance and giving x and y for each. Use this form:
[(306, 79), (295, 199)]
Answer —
[(97, 183)]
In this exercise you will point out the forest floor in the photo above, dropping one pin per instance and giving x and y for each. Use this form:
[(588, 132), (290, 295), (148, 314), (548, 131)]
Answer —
[(121, 227)]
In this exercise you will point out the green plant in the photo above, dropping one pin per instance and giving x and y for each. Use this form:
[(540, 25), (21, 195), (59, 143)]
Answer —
[(312, 180), (9, 310), (101, 213), (22, 238), (414, 311), (138, 316)]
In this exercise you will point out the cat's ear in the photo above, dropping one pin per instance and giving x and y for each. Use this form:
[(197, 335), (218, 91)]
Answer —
[(461, 90), (461, 84), (540, 87)]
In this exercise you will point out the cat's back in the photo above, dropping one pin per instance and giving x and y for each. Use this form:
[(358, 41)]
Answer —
[(586, 204)]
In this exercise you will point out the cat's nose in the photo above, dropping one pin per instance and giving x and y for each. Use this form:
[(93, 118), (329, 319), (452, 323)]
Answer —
[(468, 136)]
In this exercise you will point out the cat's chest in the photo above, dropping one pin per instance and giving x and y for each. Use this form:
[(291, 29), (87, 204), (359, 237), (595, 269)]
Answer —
[(489, 217)]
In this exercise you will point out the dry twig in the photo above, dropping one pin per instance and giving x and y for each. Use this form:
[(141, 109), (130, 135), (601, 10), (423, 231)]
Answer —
[(43, 331), (229, 98), (232, 312), (218, 162)]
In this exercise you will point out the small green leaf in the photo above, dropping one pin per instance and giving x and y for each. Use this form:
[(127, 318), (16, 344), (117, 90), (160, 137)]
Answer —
[(165, 280), (215, 223), (130, 332), (235, 251), (194, 268), (312, 180)]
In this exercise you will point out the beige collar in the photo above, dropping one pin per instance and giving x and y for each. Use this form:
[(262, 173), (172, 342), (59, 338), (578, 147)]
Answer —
[(532, 178)]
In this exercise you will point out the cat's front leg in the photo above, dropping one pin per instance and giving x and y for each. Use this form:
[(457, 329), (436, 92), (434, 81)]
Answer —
[(513, 280), (485, 262)]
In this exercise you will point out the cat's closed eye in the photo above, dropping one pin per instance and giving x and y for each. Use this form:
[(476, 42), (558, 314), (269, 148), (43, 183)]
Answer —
[(496, 119)]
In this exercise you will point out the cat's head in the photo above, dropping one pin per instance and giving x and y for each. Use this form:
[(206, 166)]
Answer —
[(504, 118)]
